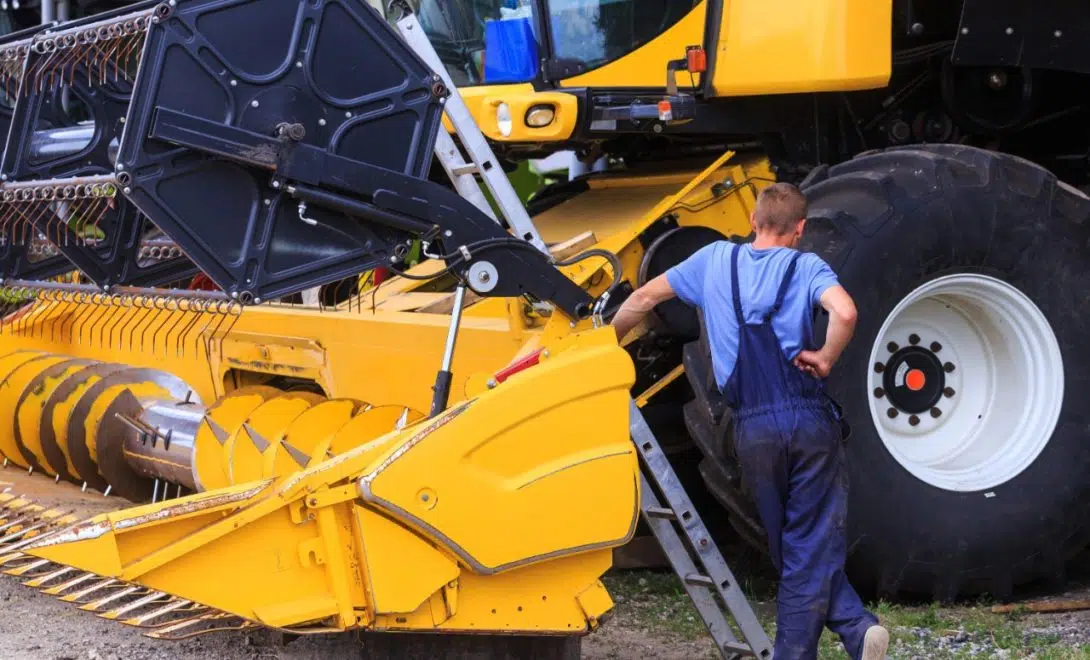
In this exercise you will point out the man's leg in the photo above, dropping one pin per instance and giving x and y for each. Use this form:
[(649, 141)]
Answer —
[(762, 454), (814, 540)]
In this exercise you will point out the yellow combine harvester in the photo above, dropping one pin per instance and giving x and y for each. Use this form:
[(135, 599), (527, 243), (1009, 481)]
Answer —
[(290, 461)]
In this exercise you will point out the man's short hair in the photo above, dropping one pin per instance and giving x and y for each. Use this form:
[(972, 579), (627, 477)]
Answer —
[(779, 208)]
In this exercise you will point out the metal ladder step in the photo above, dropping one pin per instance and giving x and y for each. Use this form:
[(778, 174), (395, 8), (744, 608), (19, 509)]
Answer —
[(691, 551)]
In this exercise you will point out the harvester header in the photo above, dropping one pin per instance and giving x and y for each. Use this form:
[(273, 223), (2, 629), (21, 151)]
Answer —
[(272, 165)]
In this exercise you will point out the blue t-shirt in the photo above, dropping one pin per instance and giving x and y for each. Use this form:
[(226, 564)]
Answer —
[(703, 280)]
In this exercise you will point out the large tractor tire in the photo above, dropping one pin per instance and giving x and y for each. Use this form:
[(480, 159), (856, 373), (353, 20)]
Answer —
[(966, 382)]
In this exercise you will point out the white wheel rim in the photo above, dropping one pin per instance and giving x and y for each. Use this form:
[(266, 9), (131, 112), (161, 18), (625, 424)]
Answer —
[(998, 406)]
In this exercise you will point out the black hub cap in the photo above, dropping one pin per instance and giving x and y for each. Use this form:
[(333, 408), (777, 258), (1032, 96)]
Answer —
[(914, 379)]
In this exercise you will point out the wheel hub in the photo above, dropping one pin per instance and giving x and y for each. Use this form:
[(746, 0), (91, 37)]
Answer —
[(966, 382), (914, 379)]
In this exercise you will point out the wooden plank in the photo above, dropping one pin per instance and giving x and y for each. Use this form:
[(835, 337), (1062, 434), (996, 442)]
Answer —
[(407, 302), (1044, 606), (572, 246), (445, 305)]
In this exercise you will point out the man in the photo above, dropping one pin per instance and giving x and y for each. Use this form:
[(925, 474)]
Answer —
[(758, 303)]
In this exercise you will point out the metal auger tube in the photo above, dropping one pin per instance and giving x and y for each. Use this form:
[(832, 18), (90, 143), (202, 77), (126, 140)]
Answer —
[(160, 441)]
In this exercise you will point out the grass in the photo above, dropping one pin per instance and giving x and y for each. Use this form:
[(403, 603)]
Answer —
[(656, 603)]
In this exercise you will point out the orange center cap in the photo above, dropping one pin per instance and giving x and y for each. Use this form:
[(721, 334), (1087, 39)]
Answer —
[(915, 380)]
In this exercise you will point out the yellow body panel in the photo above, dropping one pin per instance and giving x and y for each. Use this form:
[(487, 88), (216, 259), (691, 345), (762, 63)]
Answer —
[(646, 66), (526, 477), (798, 46)]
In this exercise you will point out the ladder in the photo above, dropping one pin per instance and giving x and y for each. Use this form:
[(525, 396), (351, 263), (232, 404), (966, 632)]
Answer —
[(484, 162), (696, 561)]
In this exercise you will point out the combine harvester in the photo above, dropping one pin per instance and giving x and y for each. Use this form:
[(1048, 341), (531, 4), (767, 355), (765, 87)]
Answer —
[(294, 455)]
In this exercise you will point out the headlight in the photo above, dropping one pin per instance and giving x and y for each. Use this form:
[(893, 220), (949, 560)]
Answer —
[(540, 116), (503, 119)]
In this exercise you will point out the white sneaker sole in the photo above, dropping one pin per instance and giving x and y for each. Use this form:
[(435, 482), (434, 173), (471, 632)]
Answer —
[(875, 643)]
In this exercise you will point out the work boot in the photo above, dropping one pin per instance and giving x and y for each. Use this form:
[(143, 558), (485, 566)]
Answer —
[(875, 642)]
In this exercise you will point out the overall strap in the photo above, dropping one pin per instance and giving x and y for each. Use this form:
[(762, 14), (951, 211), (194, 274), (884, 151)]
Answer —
[(734, 289), (782, 293)]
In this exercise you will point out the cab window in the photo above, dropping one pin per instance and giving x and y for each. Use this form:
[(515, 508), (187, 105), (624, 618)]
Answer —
[(595, 32)]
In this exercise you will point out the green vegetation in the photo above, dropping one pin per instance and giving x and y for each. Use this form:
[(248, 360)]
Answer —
[(656, 603)]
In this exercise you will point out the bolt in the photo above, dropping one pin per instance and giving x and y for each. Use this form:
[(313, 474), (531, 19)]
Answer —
[(234, 295), (891, 413), (917, 29), (935, 412), (1009, 30), (913, 339), (913, 420), (276, 184), (448, 233), (126, 190), (483, 277), (424, 497), (299, 64), (949, 367), (879, 367), (234, 83), (257, 301), (657, 128), (268, 202), (892, 347), (492, 383), (254, 103), (949, 392), (879, 392), (936, 347), (321, 122), (348, 114), (1058, 34), (965, 30)]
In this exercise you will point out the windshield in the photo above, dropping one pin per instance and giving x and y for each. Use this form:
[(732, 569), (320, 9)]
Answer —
[(598, 31), (463, 31)]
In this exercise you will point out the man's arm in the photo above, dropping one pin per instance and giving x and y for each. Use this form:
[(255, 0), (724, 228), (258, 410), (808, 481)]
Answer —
[(842, 317), (640, 303)]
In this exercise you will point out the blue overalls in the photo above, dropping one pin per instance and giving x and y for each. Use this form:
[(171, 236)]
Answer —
[(789, 441)]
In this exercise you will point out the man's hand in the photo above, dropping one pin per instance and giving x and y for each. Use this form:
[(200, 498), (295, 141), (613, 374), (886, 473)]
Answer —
[(842, 317), (814, 363)]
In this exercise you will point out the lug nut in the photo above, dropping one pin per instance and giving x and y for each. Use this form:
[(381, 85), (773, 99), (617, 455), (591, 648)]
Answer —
[(948, 367), (914, 339), (935, 412), (936, 347), (891, 413), (949, 392), (879, 392), (892, 347), (879, 367), (914, 420)]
